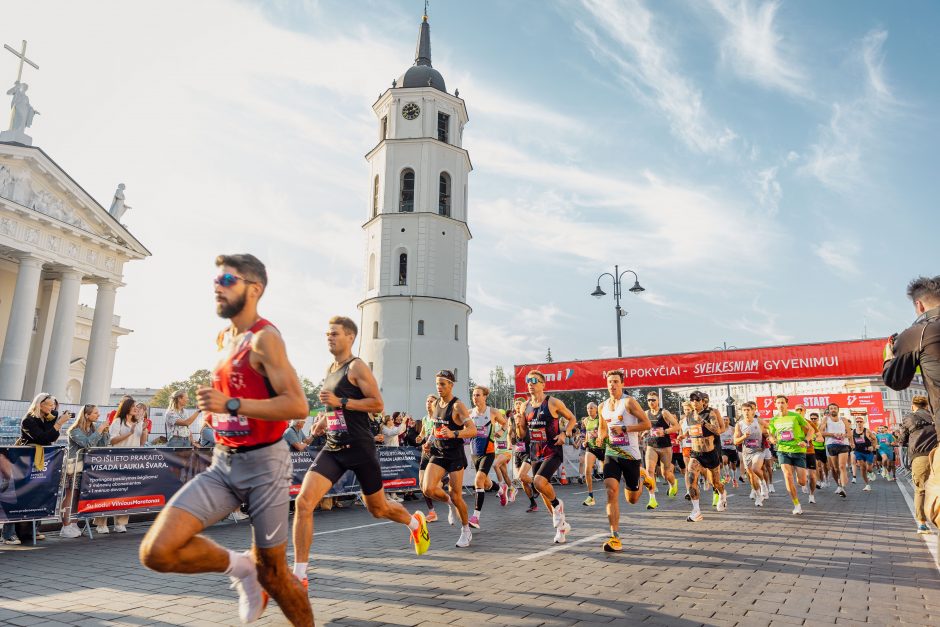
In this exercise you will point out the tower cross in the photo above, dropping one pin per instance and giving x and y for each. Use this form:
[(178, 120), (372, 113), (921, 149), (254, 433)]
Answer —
[(21, 55)]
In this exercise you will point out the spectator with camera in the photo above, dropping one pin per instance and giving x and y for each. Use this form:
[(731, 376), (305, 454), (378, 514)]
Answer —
[(919, 435), (918, 346), (177, 424)]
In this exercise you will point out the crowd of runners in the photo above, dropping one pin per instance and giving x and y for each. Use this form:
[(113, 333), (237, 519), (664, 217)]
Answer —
[(255, 392)]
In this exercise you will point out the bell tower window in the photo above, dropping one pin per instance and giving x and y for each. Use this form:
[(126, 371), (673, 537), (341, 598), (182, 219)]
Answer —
[(443, 128), (375, 196), (443, 200), (407, 201), (403, 269), (384, 127), (420, 327)]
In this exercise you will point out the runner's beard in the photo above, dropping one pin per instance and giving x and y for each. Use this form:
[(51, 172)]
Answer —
[(230, 309)]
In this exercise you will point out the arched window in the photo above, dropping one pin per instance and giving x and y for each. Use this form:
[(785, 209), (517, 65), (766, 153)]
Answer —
[(457, 332), (372, 271), (403, 269), (375, 329), (420, 327), (407, 201), (443, 199), (418, 372), (375, 197)]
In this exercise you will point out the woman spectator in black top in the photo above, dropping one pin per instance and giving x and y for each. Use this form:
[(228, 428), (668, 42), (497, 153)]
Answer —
[(41, 423)]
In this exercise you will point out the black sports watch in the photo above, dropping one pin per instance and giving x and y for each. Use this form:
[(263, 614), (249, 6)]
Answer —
[(342, 403), (232, 406)]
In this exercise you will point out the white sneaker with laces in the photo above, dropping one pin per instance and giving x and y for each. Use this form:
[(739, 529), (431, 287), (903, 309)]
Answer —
[(465, 536), (70, 531), (853, 479), (722, 503), (120, 529), (770, 488), (804, 489), (558, 515), (797, 509), (812, 498), (695, 517), (753, 493), (251, 601), (759, 501), (102, 529), (867, 488), (561, 532)]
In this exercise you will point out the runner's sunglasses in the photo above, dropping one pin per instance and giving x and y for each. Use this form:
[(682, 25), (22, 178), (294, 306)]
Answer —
[(533, 380), (228, 279)]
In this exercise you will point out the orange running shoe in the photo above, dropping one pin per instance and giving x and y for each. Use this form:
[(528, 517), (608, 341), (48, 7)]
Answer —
[(432, 516)]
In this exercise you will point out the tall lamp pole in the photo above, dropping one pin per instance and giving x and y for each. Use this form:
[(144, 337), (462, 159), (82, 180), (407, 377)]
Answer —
[(616, 278), (729, 402)]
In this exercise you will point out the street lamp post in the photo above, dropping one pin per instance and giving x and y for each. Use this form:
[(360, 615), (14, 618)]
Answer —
[(616, 277), (729, 402)]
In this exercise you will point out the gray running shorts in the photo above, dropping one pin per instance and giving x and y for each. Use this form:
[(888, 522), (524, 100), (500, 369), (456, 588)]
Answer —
[(258, 478), (750, 458)]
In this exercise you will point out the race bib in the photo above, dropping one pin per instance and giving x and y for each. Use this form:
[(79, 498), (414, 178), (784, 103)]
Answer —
[(728, 442), (860, 440), (786, 435), (838, 438), (439, 431), (230, 426), (483, 431), (695, 431), (618, 440), (519, 447), (336, 422), (538, 435), (752, 443), (502, 445), (658, 432)]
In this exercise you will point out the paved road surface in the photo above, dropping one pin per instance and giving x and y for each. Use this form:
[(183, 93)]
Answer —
[(852, 561)]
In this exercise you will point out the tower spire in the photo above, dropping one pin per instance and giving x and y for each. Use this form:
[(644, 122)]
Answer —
[(423, 51)]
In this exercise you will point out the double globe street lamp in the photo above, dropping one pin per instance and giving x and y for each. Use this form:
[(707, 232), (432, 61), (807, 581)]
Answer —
[(616, 277)]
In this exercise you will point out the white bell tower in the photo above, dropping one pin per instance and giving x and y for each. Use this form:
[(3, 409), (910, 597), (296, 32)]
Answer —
[(415, 315)]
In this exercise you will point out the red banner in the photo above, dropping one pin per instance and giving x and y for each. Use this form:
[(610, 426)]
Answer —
[(833, 360), (869, 403)]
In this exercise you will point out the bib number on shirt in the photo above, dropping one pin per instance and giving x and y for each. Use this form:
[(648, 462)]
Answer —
[(230, 426), (538, 435), (752, 443), (502, 445), (727, 442), (786, 435), (860, 440), (519, 447), (336, 422), (618, 440)]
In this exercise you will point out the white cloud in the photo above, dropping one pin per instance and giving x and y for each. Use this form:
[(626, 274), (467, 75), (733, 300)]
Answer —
[(840, 255), (643, 64), (755, 50), (837, 158), (763, 324), (769, 191)]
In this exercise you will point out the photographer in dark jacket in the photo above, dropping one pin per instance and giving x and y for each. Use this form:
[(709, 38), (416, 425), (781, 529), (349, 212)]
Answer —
[(919, 346), (42, 422), (919, 435)]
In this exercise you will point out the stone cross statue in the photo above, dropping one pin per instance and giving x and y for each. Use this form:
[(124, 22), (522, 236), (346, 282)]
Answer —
[(118, 207)]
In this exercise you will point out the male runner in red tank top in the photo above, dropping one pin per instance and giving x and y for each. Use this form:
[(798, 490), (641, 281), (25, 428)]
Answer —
[(254, 392)]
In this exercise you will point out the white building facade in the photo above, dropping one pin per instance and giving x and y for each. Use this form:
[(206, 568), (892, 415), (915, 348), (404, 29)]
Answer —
[(414, 316), (54, 238)]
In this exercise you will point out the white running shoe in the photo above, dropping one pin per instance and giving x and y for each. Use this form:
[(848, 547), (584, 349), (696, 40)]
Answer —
[(70, 531), (558, 514), (770, 488), (120, 529), (804, 489), (102, 529), (764, 492), (695, 517), (753, 494), (251, 597), (797, 509), (465, 536), (759, 501), (722, 503), (561, 532), (838, 488), (867, 488), (853, 479), (812, 498)]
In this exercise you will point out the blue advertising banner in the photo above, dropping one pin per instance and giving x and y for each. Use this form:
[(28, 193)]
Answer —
[(136, 479), (399, 471), (28, 492)]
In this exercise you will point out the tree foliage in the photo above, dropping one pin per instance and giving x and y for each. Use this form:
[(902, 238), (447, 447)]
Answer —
[(199, 379)]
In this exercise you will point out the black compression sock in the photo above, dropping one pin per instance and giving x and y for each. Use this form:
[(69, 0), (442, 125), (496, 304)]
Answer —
[(429, 503), (481, 493), (531, 500), (554, 502)]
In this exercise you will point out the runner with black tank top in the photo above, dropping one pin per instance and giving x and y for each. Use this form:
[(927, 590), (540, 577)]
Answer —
[(452, 423), (483, 448), (540, 423), (350, 394), (255, 392), (659, 447), (705, 426), (865, 445), (729, 453)]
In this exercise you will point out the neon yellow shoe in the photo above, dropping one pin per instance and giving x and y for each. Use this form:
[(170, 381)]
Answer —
[(653, 504), (420, 536), (613, 545), (673, 490), (715, 497)]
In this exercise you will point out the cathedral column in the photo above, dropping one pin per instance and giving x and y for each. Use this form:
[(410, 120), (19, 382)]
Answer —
[(63, 335), (20, 328), (96, 384)]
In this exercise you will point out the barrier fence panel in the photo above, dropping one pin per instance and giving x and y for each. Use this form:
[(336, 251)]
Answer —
[(399, 471), (118, 481), (28, 492)]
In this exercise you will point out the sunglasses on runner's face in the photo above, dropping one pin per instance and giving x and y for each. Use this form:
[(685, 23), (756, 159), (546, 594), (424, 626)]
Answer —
[(533, 380), (228, 279), (651, 399)]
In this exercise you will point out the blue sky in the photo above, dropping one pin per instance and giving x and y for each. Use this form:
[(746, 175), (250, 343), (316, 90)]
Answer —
[(764, 167)]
